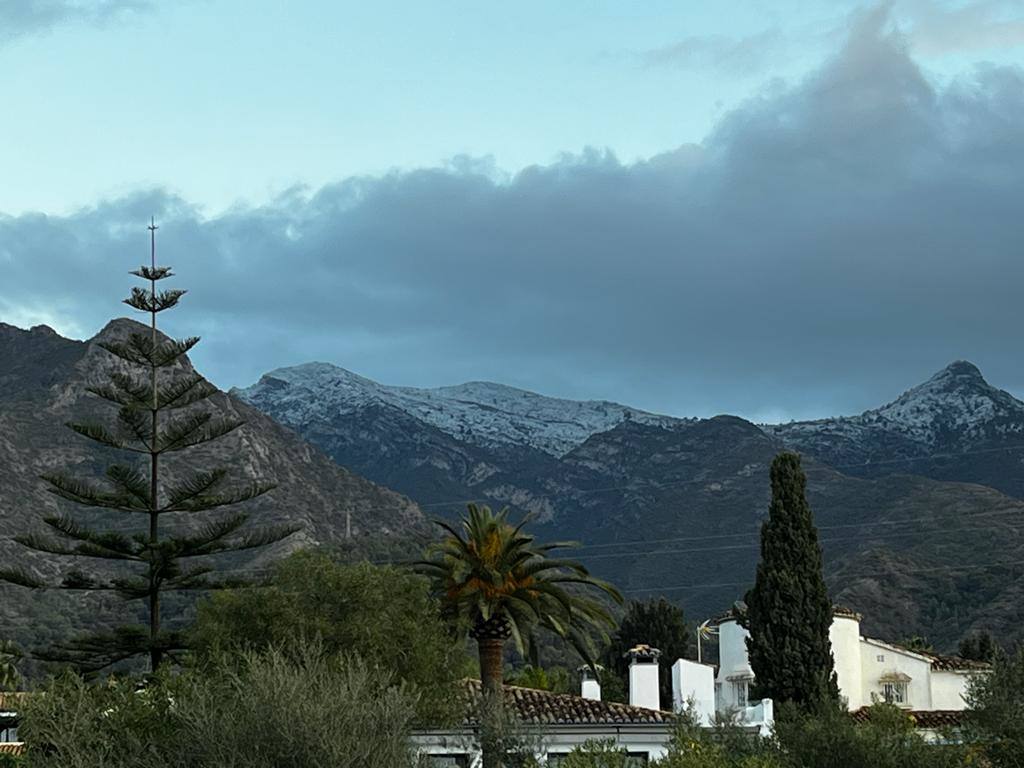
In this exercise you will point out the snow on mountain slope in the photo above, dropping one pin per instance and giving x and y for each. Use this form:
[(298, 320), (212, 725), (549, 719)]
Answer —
[(955, 408), (478, 412)]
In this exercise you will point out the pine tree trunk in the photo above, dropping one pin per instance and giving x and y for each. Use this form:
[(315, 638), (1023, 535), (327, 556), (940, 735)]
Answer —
[(154, 495)]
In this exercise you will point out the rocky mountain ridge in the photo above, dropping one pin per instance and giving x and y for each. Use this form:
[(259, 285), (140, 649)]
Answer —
[(674, 507), (954, 426), (479, 412)]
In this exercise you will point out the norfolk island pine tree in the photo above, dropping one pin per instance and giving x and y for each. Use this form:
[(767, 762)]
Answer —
[(160, 413)]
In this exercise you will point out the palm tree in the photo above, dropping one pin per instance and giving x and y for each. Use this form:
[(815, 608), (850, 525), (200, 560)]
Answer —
[(495, 583)]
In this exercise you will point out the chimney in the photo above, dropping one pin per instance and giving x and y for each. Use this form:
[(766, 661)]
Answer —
[(693, 690), (590, 686), (643, 677)]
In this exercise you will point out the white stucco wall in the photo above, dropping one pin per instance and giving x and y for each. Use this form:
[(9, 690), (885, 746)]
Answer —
[(949, 689), (651, 740), (844, 634), (733, 662), (693, 684), (879, 659), (643, 685)]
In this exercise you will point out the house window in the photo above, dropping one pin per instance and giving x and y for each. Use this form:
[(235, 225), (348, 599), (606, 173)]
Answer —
[(633, 760), (739, 688), (448, 761), (895, 692), (880, 658)]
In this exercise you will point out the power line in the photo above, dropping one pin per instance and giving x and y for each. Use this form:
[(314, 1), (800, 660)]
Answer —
[(935, 569), (656, 485), (756, 532)]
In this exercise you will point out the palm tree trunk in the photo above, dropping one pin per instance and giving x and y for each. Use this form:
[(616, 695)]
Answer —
[(491, 650)]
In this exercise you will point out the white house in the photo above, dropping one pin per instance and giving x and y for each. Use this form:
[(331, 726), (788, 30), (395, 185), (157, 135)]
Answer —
[(551, 724), (931, 687)]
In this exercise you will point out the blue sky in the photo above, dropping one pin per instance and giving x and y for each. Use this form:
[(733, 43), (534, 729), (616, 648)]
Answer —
[(225, 101), (776, 209)]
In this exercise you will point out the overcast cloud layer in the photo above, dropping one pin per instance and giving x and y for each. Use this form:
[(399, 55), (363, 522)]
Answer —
[(829, 245)]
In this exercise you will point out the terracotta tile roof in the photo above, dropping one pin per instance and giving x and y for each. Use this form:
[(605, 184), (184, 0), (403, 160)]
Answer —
[(10, 701), (944, 663), (926, 719), (535, 707), (11, 748)]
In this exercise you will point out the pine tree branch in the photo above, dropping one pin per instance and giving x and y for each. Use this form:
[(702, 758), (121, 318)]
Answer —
[(132, 587), (94, 652), (132, 482), (212, 540), (138, 423), (115, 545), (94, 550), (124, 390), (89, 495), (139, 349), (79, 581), (184, 391), (102, 435), (144, 301), (152, 273), (194, 429), (198, 484), (209, 539), (204, 502)]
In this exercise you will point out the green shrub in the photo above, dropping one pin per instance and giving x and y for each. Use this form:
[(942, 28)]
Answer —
[(303, 709), (384, 615), (603, 753), (830, 738), (996, 719)]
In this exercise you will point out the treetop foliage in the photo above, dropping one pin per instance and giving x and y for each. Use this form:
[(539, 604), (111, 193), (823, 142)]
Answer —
[(788, 609)]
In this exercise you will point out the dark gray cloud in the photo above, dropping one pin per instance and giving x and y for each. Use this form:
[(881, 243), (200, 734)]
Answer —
[(30, 17), (828, 245)]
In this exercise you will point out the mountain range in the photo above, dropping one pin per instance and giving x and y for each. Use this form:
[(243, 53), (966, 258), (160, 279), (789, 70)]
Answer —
[(918, 502)]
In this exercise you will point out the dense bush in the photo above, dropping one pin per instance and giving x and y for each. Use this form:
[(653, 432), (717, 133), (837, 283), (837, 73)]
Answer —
[(996, 700), (304, 709), (384, 615), (831, 739), (602, 753)]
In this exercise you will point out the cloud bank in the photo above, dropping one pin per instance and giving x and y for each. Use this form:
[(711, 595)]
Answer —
[(32, 17), (827, 245)]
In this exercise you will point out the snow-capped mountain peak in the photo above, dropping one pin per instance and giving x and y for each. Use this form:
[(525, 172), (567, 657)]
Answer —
[(480, 412), (954, 409)]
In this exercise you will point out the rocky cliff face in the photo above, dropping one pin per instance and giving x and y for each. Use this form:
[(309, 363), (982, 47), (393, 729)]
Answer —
[(42, 380)]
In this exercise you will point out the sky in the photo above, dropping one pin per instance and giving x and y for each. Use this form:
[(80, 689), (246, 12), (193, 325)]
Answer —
[(774, 208)]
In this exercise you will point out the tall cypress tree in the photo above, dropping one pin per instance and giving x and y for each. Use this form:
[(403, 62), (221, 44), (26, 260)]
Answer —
[(788, 610), (161, 411)]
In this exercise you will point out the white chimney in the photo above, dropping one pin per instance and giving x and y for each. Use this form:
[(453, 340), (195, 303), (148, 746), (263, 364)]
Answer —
[(693, 690), (590, 686), (643, 677)]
